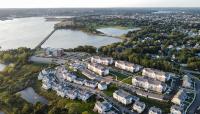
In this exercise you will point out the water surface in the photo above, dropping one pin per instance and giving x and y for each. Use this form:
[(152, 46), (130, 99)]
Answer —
[(71, 39), (28, 32), (23, 32), (116, 31)]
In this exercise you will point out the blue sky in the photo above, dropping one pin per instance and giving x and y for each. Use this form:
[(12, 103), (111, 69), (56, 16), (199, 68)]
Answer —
[(97, 3)]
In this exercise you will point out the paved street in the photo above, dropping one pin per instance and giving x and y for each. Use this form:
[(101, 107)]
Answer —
[(196, 102)]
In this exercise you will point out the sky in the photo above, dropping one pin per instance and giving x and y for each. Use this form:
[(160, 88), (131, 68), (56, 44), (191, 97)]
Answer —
[(96, 3)]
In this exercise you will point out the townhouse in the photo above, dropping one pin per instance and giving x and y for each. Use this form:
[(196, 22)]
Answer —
[(156, 74), (180, 97), (69, 77), (187, 82), (79, 81), (154, 110), (100, 70), (92, 84), (149, 84), (102, 107), (102, 60), (89, 74), (102, 86), (123, 97), (131, 67), (139, 106), (175, 109), (84, 95)]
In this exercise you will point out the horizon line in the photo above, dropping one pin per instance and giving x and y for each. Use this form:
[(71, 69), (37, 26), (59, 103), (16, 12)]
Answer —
[(93, 7)]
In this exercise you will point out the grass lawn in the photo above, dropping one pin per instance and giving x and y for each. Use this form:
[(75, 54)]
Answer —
[(111, 88), (119, 75), (128, 80), (164, 106)]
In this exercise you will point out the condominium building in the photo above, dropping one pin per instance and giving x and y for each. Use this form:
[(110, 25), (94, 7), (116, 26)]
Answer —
[(102, 60), (149, 84), (154, 110), (139, 106), (155, 74), (123, 97), (100, 70), (131, 67), (180, 97)]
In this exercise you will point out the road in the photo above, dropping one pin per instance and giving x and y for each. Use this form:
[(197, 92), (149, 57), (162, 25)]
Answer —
[(196, 102)]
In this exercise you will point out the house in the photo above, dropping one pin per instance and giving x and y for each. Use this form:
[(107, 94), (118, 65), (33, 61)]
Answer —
[(69, 77), (54, 52), (149, 84), (187, 81), (102, 60), (155, 74), (102, 86), (79, 81), (175, 109), (123, 97), (92, 84), (180, 97), (128, 66), (102, 107), (139, 106), (100, 70), (154, 110)]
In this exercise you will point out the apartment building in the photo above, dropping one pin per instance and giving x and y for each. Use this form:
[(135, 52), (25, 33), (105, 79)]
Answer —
[(100, 70), (154, 110), (149, 84), (102, 60), (175, 109), (155, 74), (131, 67), (180, 97), (139, 106), (123, 97)]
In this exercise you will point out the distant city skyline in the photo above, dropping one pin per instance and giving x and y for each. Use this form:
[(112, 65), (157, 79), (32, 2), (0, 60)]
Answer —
[(96, 3)]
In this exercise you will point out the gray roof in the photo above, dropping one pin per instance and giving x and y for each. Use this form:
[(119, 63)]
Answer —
[(123, 93)]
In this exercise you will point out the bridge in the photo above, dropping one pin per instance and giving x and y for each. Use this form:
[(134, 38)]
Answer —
[(45, 39)]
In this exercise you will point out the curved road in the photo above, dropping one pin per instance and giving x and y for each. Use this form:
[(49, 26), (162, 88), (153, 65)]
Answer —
[(196, 102)]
